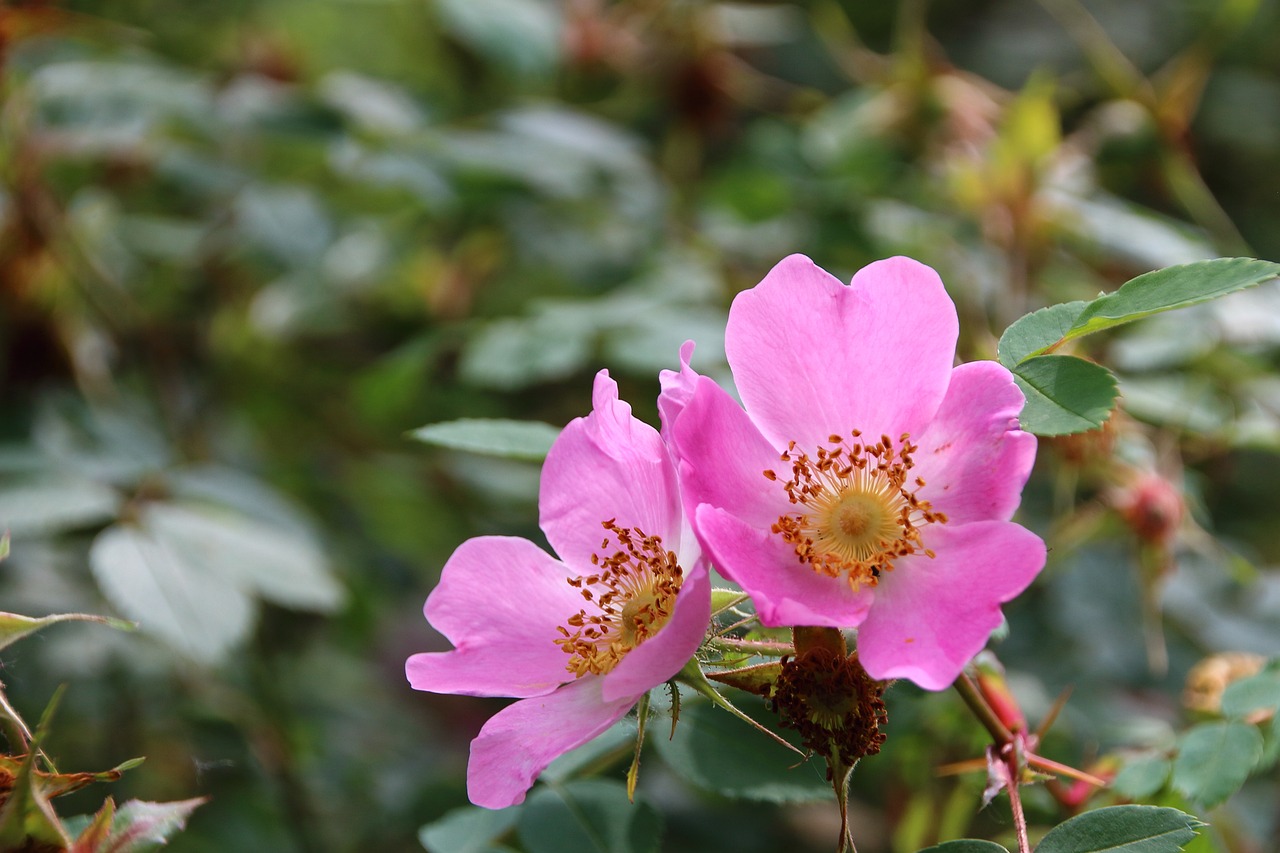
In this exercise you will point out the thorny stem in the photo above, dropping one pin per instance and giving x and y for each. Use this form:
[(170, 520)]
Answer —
[(1015, 801), (759, 647)]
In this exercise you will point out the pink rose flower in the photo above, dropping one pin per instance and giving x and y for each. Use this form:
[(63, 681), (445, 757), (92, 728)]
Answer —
[(869, 482), (577, 639)]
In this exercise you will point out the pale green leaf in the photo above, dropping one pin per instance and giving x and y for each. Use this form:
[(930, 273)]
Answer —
[(1142, 777), (198, 612), (1122, 829), (282, 565), (528, 440), (1064, 394), (51, 503), (1214, 759), (1257, 692)]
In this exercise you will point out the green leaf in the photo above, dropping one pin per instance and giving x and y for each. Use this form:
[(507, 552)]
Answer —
[(1030, 334), (1169, 288), (1064, 394), (197, 611), (588, 815), (4, 545), (966, 845), (529, 440), (1214, 759), (281, 564), (14, 627), (51, 503), (1122, 829), (1255, 693), (1148, 294), (716, 751), (469, 829), (1143, 776)]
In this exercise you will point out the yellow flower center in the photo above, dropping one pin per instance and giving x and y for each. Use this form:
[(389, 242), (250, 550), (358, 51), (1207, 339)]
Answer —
[(631, 598), (856, 509)]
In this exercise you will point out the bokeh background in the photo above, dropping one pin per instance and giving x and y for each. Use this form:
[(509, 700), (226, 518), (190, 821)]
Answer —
[(246, 246)]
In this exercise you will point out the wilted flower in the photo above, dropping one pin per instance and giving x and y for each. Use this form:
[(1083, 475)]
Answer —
[(869, 482), (577, 639)]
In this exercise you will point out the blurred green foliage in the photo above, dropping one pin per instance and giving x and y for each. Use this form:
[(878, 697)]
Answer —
[(246, 247)]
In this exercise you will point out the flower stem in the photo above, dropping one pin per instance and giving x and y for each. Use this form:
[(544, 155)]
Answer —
[(978, 705), (693, 676)]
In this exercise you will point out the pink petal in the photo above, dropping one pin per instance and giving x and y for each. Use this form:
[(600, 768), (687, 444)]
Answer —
[(605, 466), (664, 654), (520, 741), (973, 457), (499, 602), (677, 389), (785, 591), (812, 357), (931, 616), (723, 458)]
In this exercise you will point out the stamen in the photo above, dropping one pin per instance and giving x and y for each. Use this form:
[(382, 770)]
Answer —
[(857, 514), (631, 597)]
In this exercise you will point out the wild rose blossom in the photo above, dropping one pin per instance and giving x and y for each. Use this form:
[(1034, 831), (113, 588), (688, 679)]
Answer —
[(577, 639), (868, 482)]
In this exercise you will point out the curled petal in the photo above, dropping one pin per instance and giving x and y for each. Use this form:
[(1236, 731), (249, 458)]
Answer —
[(522, 739), (812, 357), (931, 616), (608, 465), (499, 601), (723, 458), (677, 389), (973, 457)]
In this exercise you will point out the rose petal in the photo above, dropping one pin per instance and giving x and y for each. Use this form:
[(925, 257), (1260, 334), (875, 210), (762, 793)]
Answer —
[(677, 389), (785, 591), (812, 357), (931, 616), (520, 741), (605, 466), (664, 654), (499, 601), (973, 458), (723, 458)]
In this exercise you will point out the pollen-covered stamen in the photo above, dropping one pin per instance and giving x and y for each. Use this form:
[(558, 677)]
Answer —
[(858, 508), (630, 598)]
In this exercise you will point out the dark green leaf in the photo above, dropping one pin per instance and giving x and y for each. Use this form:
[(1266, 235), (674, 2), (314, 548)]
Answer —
[(1169, 288), (1161, 290), (1142, 777), (1122, 829), (469, 829), (966, 845), (1258, 692), (528, 440), (1214, 759), (1032, 333), (716, 751), (1064, 394), (588, 815)]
